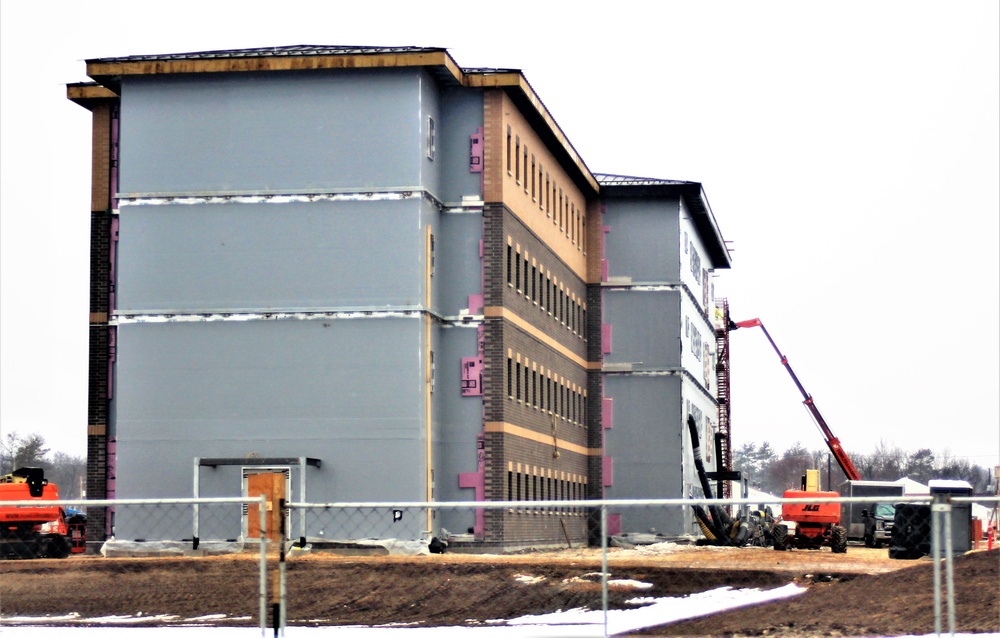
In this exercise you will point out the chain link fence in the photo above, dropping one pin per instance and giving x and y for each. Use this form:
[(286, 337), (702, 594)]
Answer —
[(163, 562), (534, 567)]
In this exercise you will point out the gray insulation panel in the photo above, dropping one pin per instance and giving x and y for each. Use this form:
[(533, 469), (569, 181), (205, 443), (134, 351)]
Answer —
[(263, 256), (353, 129), (287, 388), (646, 446), (646, 327), (642, 242)]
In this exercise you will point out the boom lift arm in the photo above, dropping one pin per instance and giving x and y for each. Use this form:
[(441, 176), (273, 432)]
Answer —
[(831, 441)]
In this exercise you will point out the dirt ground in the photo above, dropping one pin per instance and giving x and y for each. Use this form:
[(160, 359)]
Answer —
[(861, 593)]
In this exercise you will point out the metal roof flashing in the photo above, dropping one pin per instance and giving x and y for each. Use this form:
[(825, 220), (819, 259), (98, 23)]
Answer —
[(109, 71)]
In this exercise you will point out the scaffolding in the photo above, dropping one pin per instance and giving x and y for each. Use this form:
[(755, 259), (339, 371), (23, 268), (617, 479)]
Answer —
[(723, 436)]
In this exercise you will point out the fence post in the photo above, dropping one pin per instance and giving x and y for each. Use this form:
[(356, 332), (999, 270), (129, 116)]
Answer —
[(262, 505), (949, 567), (941, 506), (277, 575), (283, 539), (604, 565), (197, 494)]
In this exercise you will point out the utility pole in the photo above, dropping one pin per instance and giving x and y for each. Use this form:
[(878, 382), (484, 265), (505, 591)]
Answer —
[(829, 479)]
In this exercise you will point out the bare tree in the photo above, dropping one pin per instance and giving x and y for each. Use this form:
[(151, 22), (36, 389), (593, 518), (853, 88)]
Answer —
[(978, 477), (886, 463), (786, 473), (68, 472), (754, 461), (19, 451)]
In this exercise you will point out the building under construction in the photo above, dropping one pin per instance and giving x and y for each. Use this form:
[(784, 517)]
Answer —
[(382, 276)]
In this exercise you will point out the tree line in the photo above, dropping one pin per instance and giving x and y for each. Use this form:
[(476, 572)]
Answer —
[(767, 470), (774, 473), (65, 470)]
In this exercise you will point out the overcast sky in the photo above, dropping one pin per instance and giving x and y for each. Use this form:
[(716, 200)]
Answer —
[(850, 152)]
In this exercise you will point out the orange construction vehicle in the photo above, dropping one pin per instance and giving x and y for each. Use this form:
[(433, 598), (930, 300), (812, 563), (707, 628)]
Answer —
[(32, 531), (810, 525)]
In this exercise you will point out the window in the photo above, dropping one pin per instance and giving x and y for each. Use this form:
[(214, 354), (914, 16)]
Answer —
[(534, 388), (554, 201), (560, 209), (534, 286), (431, 141), (525, 168), (508, 150), (540, 194), (510, 251), (527, 384), (526, 288), (510, 376), (541, 284), (548, 197), (532, 178), (517, 271), (518, 380), (517, 159)]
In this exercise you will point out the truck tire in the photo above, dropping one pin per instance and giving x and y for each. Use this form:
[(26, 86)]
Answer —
[(58, 547), (904, 553), (838, 539), (870, 541), (780, 534)]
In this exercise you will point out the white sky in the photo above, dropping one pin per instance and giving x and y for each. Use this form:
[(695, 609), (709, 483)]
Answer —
[(850, 151)]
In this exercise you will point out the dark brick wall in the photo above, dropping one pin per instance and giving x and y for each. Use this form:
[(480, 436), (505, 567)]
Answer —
[(595, 393), (100, 311), (534, 343)]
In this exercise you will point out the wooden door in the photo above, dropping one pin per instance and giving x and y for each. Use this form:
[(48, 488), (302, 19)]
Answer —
[(274, 486)]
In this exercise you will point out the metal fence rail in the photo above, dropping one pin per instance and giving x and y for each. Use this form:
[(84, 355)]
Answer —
[(601, 583)]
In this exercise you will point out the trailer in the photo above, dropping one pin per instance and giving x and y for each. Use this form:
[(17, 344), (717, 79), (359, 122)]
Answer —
[(850, 513)]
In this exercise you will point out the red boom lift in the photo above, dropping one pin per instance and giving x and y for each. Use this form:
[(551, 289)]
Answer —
[(810, 525)]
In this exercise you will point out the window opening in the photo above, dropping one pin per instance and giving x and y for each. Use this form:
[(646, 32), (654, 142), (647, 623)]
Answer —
[(431, 141)]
